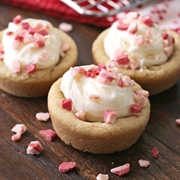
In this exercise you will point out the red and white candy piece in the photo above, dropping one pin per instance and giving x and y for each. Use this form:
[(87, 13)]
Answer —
[(19, 129), (155, 152), (66, 166), (147, 21), (102, 177), (34, 148), (44, 56), (178, 121), (132, 15), (16, 66), (107, 76), (139, 40), (66, 27), (135, 109), (41, 116), (30, 68), (67, 104), (120, 57), (17, 19), (65, 47), (142, 92), (80, 115), (16, 137), (121, 170), (48, 134), (122, 26), (120, 82), (94, 97), (132, 29), (110, 117), (127, 81), (144, 163)]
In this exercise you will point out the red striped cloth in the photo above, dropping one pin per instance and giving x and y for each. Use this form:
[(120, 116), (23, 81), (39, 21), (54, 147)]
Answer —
[(57, 9), (166, 13)]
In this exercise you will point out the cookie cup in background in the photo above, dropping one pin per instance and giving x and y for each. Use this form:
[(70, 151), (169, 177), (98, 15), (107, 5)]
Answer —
[(156, 78), (38, 82)]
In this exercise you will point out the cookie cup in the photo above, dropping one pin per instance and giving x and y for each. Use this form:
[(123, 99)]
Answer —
[(37, 83), (154, 79), (94, 137)]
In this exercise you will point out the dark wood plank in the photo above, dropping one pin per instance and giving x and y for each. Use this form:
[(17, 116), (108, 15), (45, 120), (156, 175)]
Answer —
[(161, 131)]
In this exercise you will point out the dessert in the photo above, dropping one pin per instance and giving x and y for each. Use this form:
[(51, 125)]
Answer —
[(145, 53), (97, 109), (33, 54)]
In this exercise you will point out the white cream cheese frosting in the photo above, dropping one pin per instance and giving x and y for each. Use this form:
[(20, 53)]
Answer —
[(94, 94), (31, 41), (140, 38)]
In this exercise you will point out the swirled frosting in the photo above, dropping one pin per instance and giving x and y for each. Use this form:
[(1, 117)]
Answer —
[(30, 41), (97, 89), (140, 39)]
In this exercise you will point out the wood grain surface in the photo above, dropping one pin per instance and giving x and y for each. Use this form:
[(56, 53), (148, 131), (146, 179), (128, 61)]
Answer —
[(162, 130)]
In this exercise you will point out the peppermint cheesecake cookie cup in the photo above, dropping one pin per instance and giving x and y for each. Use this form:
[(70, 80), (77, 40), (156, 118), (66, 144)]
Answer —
[(33, 55), (144, 51), (97, 109)]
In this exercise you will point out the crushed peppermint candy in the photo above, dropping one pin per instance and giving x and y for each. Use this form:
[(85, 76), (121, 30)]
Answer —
[(65, 47), (121, 57), (66, 166), (1, 53), (121, 170), (48, 134), (178, 121), (135, 109), (110, 117), (67, 104), (30, 68), (66, 27), (144, 163), (155, 152), (17, 19), (41, 116), (34, 148), (16, 67), (102, 177), (16, 137), (19, 129), (80, 115)]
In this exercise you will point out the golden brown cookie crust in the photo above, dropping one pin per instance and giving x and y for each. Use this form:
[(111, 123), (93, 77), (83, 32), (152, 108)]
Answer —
[(154, 79), (39, 82), (99, 138)]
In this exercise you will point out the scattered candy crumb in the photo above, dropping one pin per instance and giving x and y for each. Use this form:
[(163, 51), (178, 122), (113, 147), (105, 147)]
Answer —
[(178, 121), (67, 104), (48, 134), (65, 47), (144, 163), (16, 137), (19, 129), (34, 148), (121, 170), (66, 166), (41, 116), (66, 27), (102, 177), (155, 152)]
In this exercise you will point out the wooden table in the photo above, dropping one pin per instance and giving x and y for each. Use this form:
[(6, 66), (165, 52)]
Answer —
[(161, 131)]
